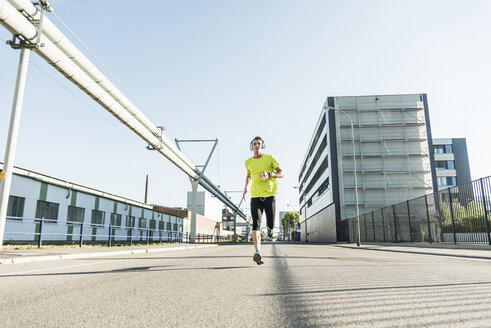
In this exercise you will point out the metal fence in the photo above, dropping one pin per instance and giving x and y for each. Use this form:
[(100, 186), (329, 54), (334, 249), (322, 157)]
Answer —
[(459, 214), (48, 231)]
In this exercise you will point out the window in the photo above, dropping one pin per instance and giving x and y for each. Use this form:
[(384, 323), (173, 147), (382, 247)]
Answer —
[(447, 181), (153, 224), (445, 165), (97, 217), (16, 206), (316, 176), (175, 226), (130, 221), (314, 143), (75, 214), (443, 149), (47, 210), (440, 165), (161, 225), (142, 223), (169, 227), (116, 219)]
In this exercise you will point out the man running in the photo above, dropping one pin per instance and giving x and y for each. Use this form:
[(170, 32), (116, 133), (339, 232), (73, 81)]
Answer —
[(263, 170)]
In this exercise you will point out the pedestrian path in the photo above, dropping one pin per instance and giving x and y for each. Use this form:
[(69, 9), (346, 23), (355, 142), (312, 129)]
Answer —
[(23, 254)]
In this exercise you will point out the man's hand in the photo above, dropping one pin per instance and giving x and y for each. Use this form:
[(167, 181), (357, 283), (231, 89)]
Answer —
[(245, 193)]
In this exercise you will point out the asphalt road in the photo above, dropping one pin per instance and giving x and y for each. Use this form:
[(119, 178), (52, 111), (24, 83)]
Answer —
[(298, 286)]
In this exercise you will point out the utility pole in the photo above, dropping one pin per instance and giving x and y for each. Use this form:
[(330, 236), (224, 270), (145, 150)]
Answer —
[(25, 47)]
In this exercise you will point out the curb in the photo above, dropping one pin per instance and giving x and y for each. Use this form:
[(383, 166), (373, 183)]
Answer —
[(30, 259)]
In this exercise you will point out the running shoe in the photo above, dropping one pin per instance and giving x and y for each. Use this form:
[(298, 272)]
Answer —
[(257, 258), (270, 233)]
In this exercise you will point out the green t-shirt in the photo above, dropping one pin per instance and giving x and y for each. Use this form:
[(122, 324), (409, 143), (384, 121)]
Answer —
[(255, 167)]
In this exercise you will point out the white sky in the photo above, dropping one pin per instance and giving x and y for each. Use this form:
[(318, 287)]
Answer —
[(236, 69)]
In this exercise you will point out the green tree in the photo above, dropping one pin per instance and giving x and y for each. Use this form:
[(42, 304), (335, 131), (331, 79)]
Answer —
[(289, 220)]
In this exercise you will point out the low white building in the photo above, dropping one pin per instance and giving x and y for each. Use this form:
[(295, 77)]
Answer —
[(69, 209)]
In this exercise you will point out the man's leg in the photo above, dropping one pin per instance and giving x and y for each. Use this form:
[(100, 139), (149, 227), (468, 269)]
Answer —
[(256, 238), (256, 212), (270, 209)]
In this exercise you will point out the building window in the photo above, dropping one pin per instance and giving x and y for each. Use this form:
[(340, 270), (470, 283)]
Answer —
[(97, 217), (447, 181), (16, 206), (153, 224), (130, 221), (169, 227), (142, 223), (445, 165), (324, 165), (47, 210), (75, 214), (443, 149), (161, 225), (175, 226), (116, 219), (314, 161)]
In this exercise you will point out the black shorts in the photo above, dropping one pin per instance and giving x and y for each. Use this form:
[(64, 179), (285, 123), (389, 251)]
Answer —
[(260, 204)]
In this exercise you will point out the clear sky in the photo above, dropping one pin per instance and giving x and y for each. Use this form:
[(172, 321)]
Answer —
[(236, 69)]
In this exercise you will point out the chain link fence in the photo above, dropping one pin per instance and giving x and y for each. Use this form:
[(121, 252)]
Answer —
[(459, 214)]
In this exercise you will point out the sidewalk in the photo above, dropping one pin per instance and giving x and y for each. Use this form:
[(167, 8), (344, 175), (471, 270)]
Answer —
[(474, 251), (23, 254)]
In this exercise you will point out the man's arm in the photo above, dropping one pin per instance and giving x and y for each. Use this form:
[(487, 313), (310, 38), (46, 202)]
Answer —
[(277, 174), (248, 180)]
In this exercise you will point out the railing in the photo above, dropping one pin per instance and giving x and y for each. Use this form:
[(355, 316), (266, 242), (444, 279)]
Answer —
[(460, 214), (44, 230)]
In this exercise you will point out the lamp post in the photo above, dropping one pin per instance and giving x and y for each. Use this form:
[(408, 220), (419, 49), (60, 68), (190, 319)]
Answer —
[(354, 171)]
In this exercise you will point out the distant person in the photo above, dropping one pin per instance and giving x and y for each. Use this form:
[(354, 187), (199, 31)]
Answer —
[(263, 170)]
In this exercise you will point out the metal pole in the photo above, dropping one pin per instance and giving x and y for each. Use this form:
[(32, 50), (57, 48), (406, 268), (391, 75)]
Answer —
[(373, 225), (485, 211), (194, 209), (12, 138), (146, 189), (451, 213), (358, 241), (383, 223), (109, 236), (409, 221), (356, 179), (80, 242), (366, 228), (428, 217), (40, 240), (395, 222)]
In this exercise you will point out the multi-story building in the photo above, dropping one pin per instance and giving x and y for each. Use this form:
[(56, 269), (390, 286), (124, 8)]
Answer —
[(207, 205), (393, 156), (451, 162)]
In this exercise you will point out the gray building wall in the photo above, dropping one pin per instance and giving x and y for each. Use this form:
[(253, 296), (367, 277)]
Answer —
[(393, 157), (456, 153)]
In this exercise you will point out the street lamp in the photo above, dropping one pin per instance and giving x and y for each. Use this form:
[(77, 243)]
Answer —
[(354, 170)]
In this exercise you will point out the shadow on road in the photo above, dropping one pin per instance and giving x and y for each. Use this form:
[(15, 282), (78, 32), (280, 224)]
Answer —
[(375, 288)]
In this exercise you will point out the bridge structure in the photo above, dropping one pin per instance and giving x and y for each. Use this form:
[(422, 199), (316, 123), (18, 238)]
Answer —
[(33, 31)]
